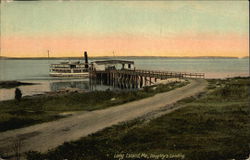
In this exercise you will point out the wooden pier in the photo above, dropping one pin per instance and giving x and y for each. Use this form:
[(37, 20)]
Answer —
[(131, 77)]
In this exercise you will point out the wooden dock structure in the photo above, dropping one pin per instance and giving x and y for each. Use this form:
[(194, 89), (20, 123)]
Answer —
[(130, 77)]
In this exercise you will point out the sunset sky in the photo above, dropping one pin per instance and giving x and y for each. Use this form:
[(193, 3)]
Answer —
[(129, 28)]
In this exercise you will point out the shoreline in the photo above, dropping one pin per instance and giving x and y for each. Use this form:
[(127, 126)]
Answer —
[(29, 85), (66, 90), (11, 84)]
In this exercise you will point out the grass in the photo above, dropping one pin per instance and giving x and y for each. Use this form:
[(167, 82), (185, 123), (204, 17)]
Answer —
[(31, 111), (214, 126)]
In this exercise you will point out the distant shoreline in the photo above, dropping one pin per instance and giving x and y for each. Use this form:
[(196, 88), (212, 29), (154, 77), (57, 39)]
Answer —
[(112, 57)]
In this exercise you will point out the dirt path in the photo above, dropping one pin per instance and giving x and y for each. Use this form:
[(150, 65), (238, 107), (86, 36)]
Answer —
[(45, 136)]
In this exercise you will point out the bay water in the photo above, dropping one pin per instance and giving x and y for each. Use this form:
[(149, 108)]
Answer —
[(37, 71)]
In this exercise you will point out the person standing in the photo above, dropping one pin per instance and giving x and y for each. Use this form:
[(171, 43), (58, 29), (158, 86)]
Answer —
[(18, 94)]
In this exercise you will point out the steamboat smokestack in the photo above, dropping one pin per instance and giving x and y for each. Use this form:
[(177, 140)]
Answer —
[(86, 59)]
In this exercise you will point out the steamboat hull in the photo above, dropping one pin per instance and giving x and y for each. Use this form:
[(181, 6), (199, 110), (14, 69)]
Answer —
[(86, 74)]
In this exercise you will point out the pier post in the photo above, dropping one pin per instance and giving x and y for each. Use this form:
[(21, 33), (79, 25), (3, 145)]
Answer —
[(141, 81), (136, 81)]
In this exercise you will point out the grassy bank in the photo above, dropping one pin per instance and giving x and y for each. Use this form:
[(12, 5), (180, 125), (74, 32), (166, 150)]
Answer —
[(214, 126), (35, 110)]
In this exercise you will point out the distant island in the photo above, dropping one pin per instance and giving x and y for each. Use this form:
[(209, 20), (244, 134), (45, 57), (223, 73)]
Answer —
[(13, 84)]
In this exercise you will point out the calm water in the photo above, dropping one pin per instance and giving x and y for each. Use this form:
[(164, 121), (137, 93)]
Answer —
[(37, 71)]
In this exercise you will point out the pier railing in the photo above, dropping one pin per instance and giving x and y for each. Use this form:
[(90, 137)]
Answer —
[(160, 74)]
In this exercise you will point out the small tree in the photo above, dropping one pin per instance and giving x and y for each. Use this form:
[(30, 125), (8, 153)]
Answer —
[(18, 94)]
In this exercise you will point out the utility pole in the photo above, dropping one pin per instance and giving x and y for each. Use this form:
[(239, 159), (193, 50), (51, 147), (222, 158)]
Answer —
[(48, 54)]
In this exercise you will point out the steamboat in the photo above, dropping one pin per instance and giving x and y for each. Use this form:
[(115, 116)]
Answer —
[(70, 69)]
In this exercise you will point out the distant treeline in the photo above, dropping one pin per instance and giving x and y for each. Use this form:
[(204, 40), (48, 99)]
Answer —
[(126, 57)]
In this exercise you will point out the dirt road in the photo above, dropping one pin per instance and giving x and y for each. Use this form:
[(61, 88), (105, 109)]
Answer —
[(45, 136)]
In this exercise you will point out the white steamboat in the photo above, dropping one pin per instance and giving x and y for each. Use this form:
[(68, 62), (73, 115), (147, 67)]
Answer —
[(70, 69)]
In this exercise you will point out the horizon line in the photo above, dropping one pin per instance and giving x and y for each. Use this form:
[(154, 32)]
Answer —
[(123, 56)]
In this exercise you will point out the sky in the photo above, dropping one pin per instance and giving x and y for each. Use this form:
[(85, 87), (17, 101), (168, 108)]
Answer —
[(124, 28)]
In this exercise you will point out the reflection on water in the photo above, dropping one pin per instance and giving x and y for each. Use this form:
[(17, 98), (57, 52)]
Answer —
[(55, 86)]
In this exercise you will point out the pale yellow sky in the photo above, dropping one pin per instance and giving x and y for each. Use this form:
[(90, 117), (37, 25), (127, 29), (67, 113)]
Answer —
[(145, 28)]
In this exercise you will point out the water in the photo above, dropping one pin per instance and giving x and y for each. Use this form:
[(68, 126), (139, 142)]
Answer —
[(37, 71)]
